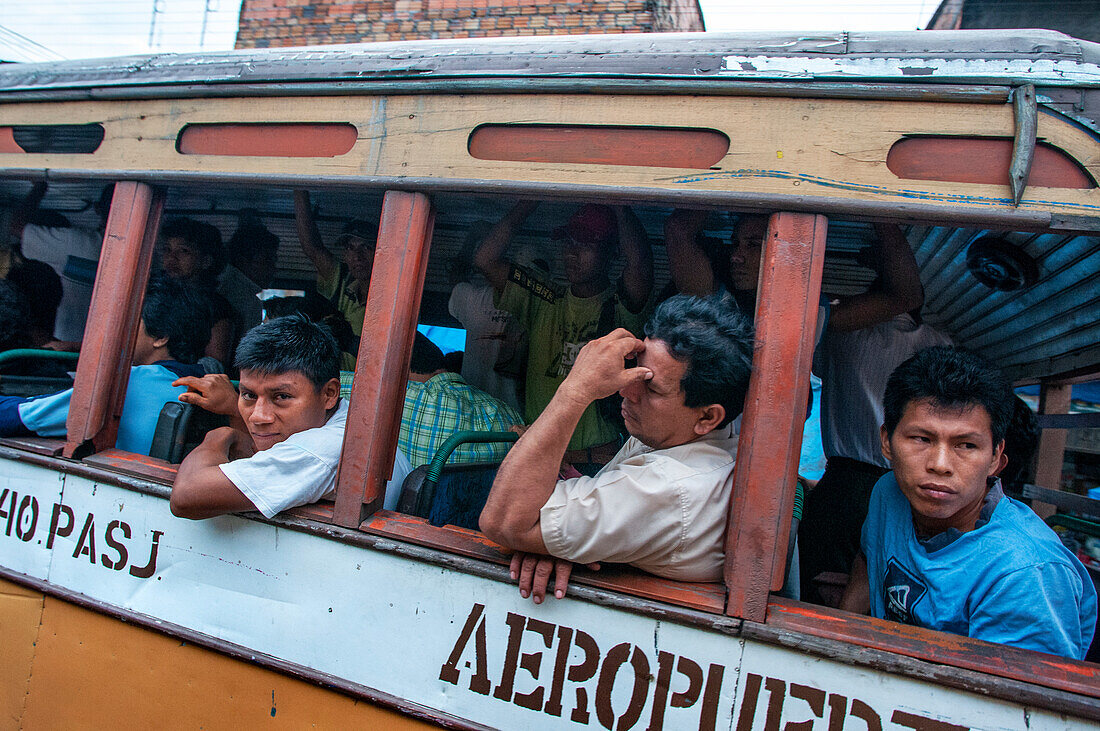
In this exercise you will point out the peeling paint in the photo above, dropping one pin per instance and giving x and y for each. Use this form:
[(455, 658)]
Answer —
[(1038, 71)]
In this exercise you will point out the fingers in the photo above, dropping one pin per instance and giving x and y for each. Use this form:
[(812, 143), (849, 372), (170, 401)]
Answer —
[(188, 381), (562, 569), (527, 574), (533, 573), (636, 374), (543, 568)]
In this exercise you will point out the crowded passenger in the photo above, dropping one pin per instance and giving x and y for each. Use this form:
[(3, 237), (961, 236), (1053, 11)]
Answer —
[(253, 256), (661, 504), (15, 333), (942, 546), (71, 251), (491, 361), (732, 275), (1021, 441), (14, 313), (282, 447), (559, 321), (868, 335), (174, 327), (345, 283), (439, 403), (192, 253), (38, 283)]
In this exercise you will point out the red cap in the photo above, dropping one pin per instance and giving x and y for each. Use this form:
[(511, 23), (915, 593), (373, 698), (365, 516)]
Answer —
[(592, 224)]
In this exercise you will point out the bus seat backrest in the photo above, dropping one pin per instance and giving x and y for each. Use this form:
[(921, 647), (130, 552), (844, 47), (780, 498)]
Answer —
[(457, 499), (409, 501), (461, 495), (180, 428), (168, 438)]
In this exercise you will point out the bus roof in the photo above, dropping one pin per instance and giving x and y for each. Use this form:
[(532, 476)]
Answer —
[(1000, 57)]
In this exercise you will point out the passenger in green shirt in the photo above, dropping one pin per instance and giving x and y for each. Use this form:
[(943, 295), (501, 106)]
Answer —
[(560, 320), (345, 283)]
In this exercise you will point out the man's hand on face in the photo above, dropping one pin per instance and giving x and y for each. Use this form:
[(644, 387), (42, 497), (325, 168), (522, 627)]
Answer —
[(600, 369), (533, 572), (212, 392)]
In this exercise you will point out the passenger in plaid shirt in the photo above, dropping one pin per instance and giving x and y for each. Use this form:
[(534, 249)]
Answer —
[(439, 403)]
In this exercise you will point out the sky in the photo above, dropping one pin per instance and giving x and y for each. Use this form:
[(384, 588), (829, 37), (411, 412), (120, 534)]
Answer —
[(43, 30)]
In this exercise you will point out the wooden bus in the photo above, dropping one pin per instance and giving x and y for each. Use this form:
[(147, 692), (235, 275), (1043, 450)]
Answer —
[(113, 612)]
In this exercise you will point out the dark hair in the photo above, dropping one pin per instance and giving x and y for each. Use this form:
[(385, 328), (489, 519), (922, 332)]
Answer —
[(950, 378), (747, 218), (180, 312), (426, 356), (358, 228), (290, 344), (203, 236), (251, 239), (14, 314), (1021, 441), (42, 287), (716, 341)]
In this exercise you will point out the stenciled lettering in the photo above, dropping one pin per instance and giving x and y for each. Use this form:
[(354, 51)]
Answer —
[(22, 517), (56, 529), (449, 673), (8, 511), (583, 671), (816, 700), (150, 566), (532, 663), (86, 544), (27, 521), (612, 664), (529, 643), (109, 538)]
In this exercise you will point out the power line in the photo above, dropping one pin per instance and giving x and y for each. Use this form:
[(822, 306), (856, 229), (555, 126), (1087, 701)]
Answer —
[(36, 51)]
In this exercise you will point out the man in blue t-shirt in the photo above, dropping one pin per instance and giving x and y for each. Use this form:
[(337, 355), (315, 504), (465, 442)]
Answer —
[(174, 327), (943, 547)]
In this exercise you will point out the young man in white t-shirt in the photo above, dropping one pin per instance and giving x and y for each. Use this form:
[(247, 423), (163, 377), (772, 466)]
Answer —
[(283, 447)]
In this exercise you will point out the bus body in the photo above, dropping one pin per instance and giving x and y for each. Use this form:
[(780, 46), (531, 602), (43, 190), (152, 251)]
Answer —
[(115, 611)]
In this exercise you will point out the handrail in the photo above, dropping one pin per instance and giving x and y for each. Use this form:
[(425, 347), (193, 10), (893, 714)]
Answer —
[(37, 353), (435, 469)]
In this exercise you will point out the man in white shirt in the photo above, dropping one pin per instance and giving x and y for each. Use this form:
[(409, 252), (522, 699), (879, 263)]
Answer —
[(660, 504), (72, 252), (283, 449)]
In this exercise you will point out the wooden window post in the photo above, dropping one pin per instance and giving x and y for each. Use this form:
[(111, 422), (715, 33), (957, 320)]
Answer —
[(377, 396), (775, 411), (1054, 398), (103, 370)]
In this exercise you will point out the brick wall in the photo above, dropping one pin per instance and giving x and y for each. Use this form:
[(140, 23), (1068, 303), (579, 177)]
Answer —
[(270, 23)]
